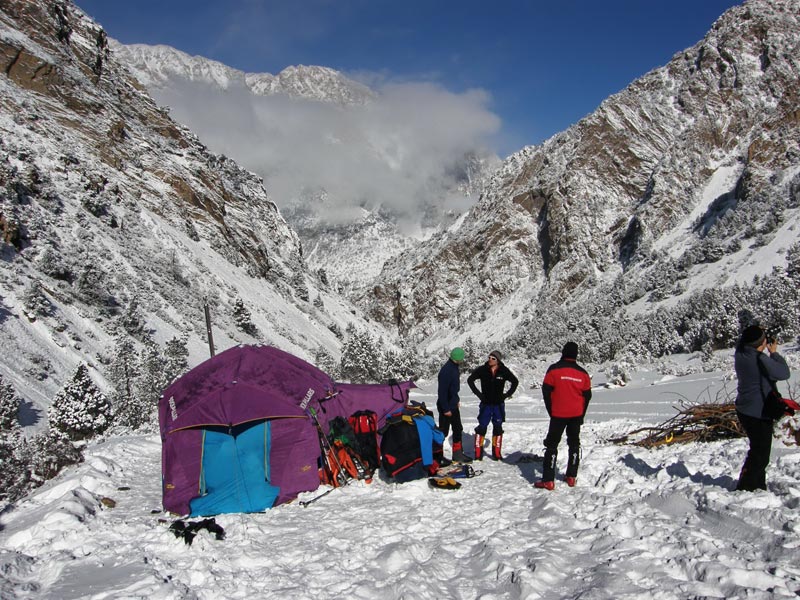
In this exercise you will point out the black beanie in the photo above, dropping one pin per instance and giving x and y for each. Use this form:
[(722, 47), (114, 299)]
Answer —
[(752, 336), (570, 350), (497, 355)]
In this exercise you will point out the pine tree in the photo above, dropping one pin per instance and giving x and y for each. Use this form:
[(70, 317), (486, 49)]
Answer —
[(123, 373), (151, 382), (80, 410), (47, 453), (362, 360), (35, 301), (132, 320), (325, 362), (14, 472), (9, 407), (400, 365), (176, 358), (243, 318)]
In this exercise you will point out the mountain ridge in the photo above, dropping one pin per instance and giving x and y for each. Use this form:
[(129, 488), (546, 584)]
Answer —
[(601, 199)]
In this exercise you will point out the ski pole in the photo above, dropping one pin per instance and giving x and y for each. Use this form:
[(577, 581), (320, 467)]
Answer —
[(307, 502), (341, 476)]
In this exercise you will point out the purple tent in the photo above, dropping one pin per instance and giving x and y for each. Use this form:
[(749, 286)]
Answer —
[(237, 435)]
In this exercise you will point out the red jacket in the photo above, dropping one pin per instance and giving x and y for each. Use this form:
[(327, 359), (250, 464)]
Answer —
[(567, 389)]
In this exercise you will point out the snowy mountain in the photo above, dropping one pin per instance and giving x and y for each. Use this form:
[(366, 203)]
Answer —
[(355, 175), (156, 67), (117, 221), (687, 180)]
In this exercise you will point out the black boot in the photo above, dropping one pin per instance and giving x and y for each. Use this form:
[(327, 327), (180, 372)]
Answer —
[(573, 462), (549, 464)]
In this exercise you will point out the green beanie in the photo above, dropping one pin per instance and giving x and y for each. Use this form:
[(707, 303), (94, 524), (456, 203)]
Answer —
[(457, 354)]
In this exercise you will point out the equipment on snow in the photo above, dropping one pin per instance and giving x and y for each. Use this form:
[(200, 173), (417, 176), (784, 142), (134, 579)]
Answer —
[(365, 427), (410, 443), (188, 531), (443, 483), (330, 461), (459, 472), (305, 503), (236, 434)]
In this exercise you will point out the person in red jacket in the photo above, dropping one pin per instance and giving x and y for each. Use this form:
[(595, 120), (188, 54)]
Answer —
[(567, 389)]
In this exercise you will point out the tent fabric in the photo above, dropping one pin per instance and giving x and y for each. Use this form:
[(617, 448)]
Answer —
[(228, 481), (217, 407)]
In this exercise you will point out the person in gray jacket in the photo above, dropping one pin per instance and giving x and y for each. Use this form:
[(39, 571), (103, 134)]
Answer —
[(756, 373)]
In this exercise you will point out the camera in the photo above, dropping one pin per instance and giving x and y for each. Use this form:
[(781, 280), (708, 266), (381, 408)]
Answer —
[(772, 335)]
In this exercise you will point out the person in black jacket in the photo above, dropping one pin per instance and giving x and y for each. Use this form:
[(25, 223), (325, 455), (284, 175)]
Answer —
[(756, 375), (448, 404), (493, 376), (567, 389)]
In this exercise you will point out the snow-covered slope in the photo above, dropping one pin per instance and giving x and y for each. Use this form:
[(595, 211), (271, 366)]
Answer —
[(694, 168), (640, 523), (109, 209)]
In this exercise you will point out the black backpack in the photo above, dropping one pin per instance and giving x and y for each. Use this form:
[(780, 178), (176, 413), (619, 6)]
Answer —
[(400, 447)]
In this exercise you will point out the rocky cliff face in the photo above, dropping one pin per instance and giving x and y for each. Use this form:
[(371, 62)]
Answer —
[(683, 166), (108, 206)]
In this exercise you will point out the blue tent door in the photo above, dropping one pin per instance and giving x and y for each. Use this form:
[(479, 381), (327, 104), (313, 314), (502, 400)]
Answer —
[(235, 471)]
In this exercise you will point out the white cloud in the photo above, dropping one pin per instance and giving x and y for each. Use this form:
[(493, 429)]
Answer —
[(402, 151)]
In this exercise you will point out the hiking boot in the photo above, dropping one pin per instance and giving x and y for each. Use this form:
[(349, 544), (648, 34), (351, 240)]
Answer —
[(497, 445), (547, 485), (478, 447), (445, 462), (571, 481), (458, 454)]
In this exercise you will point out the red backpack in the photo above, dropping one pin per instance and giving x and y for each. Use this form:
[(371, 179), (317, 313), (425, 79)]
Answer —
[(365, 427)]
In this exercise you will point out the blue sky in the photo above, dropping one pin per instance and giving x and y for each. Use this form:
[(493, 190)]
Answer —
[(543, 64)]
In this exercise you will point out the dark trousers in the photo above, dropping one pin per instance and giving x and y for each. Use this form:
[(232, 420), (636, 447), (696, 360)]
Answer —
[(491, 413), (454, 421), (553, 439), (754, 470)]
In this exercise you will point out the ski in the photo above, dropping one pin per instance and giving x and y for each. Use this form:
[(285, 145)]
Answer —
[(327, 450)]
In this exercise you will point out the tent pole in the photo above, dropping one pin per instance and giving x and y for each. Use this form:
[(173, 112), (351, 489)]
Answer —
[(208, 326)]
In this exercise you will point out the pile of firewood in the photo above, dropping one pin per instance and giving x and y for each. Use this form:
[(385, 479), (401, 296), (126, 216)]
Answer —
[(693, 423)]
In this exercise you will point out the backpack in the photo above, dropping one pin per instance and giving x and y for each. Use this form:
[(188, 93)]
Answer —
[(400, 447), (341, 430), (365, 429)]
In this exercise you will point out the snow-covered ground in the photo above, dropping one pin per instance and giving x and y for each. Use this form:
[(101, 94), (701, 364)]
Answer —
[(640, 523)]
